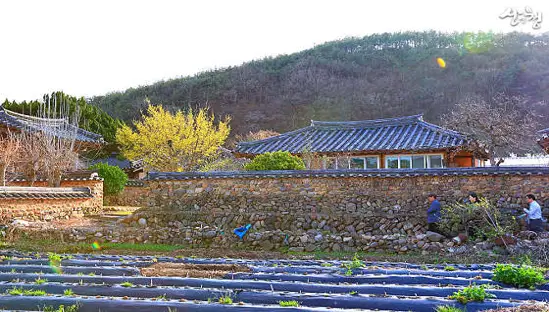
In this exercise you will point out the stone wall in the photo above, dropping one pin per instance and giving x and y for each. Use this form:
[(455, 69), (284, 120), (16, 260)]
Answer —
[(46, 204), (326, 210), (135, 195)]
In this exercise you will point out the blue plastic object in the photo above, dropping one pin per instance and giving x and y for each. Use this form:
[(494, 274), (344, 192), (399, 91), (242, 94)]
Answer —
[(241, 231)]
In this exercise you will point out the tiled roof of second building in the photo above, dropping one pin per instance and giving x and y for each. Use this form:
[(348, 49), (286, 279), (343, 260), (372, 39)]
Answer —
[(392, 134)]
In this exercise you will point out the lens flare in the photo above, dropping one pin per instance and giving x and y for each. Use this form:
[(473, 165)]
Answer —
[(96, 246), (441, 62), (55, 268)]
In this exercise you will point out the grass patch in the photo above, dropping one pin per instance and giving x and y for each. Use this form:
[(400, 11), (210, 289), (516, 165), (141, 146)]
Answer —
[(25, 292), (291, 303), (55, 247), (523, 276), (126, 284), (471, 293), (120, 213), (142, 247)]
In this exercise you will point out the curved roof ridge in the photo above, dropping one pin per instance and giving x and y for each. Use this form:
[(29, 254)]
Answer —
[(370, 122), (442, 129)]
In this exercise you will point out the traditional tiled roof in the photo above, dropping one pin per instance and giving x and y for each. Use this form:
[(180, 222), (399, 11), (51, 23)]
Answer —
[(376, 173), (56, 127), (127, 165), (17, 192), (410, 133)]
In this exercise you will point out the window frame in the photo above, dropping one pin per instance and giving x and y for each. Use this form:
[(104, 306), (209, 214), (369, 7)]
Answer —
[(336, 163), (426, 160)]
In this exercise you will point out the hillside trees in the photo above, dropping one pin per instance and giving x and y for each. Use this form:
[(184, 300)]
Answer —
[(377, 76), (181, 141)]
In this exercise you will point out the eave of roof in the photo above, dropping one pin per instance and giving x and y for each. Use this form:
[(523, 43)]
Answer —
[(51, 127), (353, 173), (18, 192)]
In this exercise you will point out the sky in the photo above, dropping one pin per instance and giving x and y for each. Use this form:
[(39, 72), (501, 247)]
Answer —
[(88, 48)]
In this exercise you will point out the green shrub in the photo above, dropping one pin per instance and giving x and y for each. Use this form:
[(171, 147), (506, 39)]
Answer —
[(447, 308), (114, 178), (471, 293), (291, 303), (275, 161), (523, 276)]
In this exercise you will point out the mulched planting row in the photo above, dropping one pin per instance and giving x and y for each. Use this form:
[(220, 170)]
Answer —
[(251, 284)]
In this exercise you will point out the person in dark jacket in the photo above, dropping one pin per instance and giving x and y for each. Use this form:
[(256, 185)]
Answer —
[(433, 213)]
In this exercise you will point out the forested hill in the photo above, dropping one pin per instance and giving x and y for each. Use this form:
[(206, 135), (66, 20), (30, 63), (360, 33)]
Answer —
[(382, 75)]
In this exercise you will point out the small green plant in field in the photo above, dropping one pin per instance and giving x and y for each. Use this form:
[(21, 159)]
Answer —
[(62, 308), (225, 300), (163, 297), (447, 308), (91, 274), (449, 268), (126, 284), (80, 274), (68, 292), (523, 276), (40, 281), (55, 259), (291, 303), (471, 293), (355, 264), (424, 267), (326, 264), (25, 292), (353, 293), (13, 271)]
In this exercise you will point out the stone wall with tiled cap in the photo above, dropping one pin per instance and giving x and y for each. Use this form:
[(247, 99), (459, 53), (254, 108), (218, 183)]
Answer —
[(325, 210), (77, 195)]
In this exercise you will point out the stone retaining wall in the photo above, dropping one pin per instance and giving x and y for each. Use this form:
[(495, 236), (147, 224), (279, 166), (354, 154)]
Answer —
[(335, 210)]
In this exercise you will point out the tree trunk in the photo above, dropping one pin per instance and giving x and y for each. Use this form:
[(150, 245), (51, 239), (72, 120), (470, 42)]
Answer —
[(3, 169)]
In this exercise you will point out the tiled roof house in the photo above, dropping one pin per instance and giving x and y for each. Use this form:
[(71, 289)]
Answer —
[(134, 169), (57, 127), (404, 142)]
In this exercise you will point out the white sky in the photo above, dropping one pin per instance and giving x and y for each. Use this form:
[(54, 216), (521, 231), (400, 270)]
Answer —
[(88, 48)]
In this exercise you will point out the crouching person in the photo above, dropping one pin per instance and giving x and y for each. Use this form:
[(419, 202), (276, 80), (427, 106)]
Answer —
[(433, 213)]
